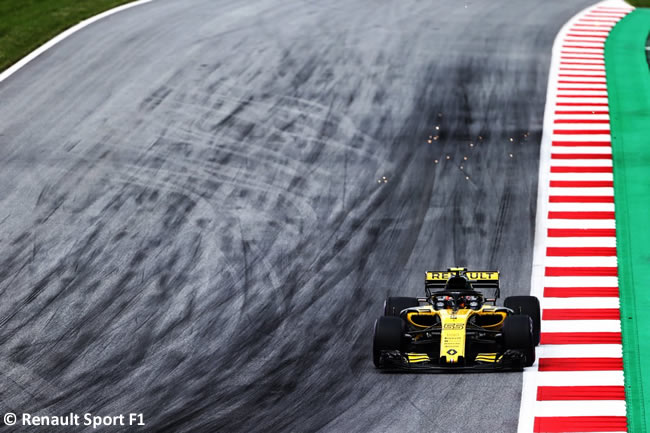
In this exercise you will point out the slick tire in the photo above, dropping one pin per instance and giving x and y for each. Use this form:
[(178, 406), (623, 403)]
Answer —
[(518, 335), (529, 306), (388, 335), (394, 305)]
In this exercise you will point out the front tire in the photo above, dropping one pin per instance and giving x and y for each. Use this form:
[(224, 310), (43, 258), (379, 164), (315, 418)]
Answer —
[(528, 306), (388, 335), (518, 335)]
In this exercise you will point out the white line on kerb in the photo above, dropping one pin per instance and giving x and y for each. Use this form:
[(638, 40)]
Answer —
[(605, 191), (609, 242), (52, 42), (571, 303), (581, 351), (580, 408), (582, 326), (578, 378), (569, 282)]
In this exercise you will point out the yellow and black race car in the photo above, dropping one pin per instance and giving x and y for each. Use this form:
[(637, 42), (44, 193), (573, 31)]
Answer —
[(456, 327)]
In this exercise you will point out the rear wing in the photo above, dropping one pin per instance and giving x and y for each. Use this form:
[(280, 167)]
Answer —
[(436, 280)]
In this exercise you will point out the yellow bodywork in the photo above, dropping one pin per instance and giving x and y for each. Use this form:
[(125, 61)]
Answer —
[(452, 339), (488, 357), (414, 358), (453, 325)]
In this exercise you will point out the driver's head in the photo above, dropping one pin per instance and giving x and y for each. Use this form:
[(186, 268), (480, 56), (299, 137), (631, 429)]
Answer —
[(471, 301), (458, 282)]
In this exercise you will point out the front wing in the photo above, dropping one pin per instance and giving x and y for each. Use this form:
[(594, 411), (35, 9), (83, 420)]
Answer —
[(395, 361)]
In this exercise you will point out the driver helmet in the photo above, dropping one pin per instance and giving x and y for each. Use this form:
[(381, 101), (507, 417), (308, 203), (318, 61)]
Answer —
[(458, 282), (472, 301)]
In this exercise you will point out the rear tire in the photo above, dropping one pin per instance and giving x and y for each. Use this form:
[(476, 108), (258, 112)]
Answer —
[(529, 306), (518, 335), (394, 305), (388, 335)]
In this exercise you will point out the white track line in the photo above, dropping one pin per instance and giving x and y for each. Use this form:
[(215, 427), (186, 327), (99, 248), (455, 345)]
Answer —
[(575, 378), (592, 116), (591, 207), (580, 408), (581, 326), (582, 191), (583, 223), (582, 162), (583, 302), (52, 42), (579, 281), (582, 351), (587, 148), (576, 92), (584, 241), (581, 261)]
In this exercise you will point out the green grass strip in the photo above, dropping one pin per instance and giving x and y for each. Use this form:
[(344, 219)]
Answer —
[(639, 3), (628, 84), (27, 24)]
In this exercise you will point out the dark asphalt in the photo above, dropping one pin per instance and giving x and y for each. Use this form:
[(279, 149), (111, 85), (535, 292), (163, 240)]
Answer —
[(195, 224)]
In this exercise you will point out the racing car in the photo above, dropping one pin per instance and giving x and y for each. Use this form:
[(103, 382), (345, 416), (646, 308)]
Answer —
[(456, 327)]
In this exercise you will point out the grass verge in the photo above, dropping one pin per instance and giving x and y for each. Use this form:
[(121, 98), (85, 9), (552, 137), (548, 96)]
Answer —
[(640, 3), (628, 86), (27, 24)]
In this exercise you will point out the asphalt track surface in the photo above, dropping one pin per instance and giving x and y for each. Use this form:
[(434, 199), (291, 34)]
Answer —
[(192, 225)]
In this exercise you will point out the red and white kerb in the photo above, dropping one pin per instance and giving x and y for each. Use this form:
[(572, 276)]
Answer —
[(577, 382)]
